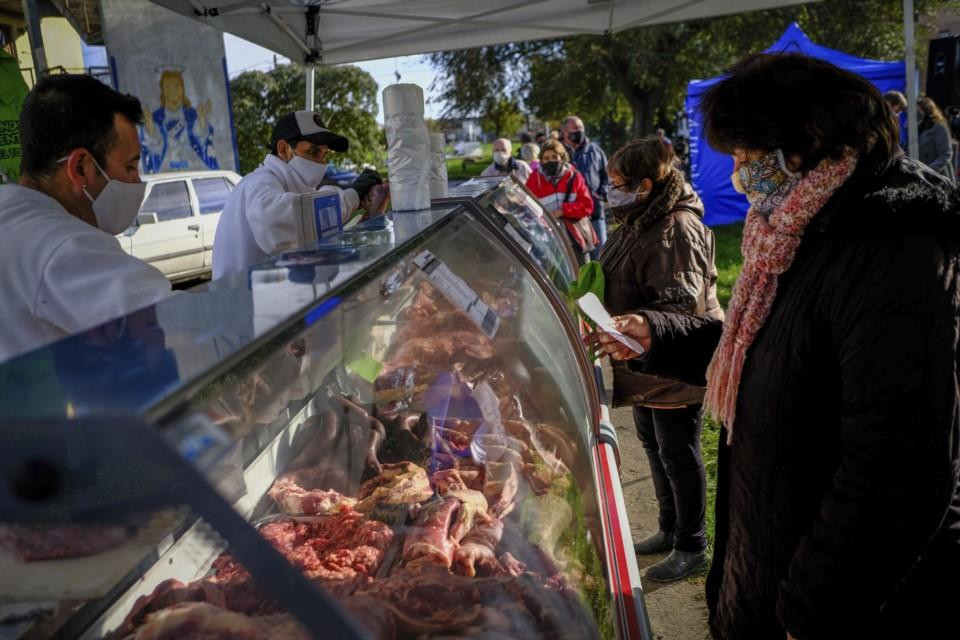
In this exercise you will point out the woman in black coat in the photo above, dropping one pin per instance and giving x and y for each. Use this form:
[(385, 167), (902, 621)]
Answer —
[(836, 373)]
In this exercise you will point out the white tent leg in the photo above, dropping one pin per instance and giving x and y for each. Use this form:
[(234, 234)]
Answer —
[(911, 64), (311, 77)]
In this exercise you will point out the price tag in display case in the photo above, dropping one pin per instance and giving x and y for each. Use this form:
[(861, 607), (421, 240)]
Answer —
[(458, 292)]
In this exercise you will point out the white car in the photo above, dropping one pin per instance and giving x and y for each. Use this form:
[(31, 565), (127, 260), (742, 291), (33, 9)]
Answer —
[(177, 221)]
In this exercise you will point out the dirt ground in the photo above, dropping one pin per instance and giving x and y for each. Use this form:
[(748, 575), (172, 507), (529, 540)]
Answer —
[(677, 611)]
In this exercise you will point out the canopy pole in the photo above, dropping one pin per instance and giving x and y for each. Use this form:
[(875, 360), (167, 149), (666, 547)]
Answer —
[(911, 65), (311, 78), (32, 14)]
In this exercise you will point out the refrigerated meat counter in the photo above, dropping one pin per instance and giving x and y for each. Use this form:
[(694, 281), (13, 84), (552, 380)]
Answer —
[(395, 434)]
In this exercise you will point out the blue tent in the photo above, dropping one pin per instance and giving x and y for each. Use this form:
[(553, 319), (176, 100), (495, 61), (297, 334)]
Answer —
[(711, 170)]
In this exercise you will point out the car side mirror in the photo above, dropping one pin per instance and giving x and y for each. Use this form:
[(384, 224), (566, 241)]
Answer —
[(147, 218)]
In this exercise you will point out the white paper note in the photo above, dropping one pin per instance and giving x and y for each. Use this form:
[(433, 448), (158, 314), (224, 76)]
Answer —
[(590, 304)]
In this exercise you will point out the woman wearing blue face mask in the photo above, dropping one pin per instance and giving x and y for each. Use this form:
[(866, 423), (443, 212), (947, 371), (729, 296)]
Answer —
[(662, 257), (835, 372)]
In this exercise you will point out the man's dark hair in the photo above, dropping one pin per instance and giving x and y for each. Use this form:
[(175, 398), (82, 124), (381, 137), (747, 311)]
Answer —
[(64, 112), (803, 106)]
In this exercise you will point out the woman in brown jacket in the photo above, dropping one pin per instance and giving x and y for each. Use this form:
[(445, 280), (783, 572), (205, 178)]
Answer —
[(662, 257)]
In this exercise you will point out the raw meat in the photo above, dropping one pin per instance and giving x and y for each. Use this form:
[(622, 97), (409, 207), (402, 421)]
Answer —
[(479, 546), (307, 491), (210, 622), (428, 541), (30, 543), (339, 546), (439, 322), (501, 486), (376, 435), (443, 348), (323, 430), (399, 483)]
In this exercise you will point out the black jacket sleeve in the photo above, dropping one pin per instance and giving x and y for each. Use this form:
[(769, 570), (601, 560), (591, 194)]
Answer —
[(891, 307), (681, 346)]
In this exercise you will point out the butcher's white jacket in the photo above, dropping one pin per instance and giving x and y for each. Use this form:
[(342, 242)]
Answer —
[(258, 218), (60, 275)]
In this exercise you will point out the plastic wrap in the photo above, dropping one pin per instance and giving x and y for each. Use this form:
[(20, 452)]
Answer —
[(438, 166), (408, 147)]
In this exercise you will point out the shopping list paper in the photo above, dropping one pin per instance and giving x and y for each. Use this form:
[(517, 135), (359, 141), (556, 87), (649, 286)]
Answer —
[(590, 304)]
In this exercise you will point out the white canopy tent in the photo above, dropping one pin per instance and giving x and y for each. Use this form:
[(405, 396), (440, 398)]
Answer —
[(336, 31)]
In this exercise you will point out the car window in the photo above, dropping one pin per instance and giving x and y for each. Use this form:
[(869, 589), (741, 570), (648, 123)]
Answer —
[(169, 200), (212, 193)]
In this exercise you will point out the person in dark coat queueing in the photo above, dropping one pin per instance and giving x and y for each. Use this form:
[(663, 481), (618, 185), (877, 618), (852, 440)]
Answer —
[(935, 145), (835, 374), (662, 257), (590, 161)]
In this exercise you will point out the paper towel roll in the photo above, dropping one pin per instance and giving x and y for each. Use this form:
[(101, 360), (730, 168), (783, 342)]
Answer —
[(438, 166), (402, 98)]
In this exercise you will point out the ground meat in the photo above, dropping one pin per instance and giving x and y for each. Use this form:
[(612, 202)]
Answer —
[(339, 546)]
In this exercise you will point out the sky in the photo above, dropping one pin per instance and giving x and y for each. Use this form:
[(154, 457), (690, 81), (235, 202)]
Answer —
[(246, 56)]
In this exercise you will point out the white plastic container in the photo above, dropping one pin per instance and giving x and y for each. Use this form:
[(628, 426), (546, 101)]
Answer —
[(438, 166), (408, 147)]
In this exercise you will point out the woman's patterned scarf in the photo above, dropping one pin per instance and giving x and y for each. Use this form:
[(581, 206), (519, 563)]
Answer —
[(770, 241)]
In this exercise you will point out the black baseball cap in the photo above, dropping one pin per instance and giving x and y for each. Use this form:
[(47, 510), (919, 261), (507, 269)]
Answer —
[(306, 125)]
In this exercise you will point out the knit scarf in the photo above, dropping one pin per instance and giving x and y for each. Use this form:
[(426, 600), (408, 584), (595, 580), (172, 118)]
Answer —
[(770, 242)]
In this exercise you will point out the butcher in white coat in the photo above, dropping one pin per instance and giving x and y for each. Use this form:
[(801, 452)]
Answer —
[(63, 270), (258, 217)]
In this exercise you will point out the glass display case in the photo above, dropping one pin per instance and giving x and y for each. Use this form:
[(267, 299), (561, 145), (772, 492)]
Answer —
[(396, 434), (524, 219)]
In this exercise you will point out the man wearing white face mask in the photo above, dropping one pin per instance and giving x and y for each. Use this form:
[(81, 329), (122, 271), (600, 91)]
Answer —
[(504, 164), (258, 219), (63, 270)]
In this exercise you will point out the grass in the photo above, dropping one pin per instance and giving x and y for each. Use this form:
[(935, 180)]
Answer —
[(729, 261), (459, 168)]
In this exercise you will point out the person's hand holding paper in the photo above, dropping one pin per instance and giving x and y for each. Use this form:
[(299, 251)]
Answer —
[(622, 338)]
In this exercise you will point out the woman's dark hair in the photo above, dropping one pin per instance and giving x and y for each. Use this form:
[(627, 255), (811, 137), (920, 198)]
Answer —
[(642, 158), (803, 106), (66, 112)]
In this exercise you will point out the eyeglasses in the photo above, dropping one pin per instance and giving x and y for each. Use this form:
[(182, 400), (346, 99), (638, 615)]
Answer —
[(622, 187)]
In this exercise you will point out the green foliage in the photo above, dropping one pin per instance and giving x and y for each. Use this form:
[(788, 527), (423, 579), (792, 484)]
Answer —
[(626, 84), (346, 99), (501, 117)]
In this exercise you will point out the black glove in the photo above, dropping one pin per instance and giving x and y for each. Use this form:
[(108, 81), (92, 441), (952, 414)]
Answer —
[(367, 179)]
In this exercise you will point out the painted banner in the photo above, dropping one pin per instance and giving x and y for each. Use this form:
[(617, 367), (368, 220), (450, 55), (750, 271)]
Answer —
[(177, 67)]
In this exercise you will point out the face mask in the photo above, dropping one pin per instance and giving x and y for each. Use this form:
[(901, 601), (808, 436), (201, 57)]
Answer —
[(309, 171), (619, 197), (116, 207), (550, 168), (576, 137), (761, 177), (501, 158)]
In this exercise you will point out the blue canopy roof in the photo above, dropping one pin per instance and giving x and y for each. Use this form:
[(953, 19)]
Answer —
[(711, 170)]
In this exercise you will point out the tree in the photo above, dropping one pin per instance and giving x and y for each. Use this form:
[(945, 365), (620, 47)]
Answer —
[(628, 83), (346, 100), (501, 116)]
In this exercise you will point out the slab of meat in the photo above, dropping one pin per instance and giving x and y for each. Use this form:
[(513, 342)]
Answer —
[(343, 545), (398, 483), (30, 543), (429, 600), (479, 547), (473, 510), (500, 486), (439, 322), (443, 348), (210, 622), (428, 540), (307, 491)]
